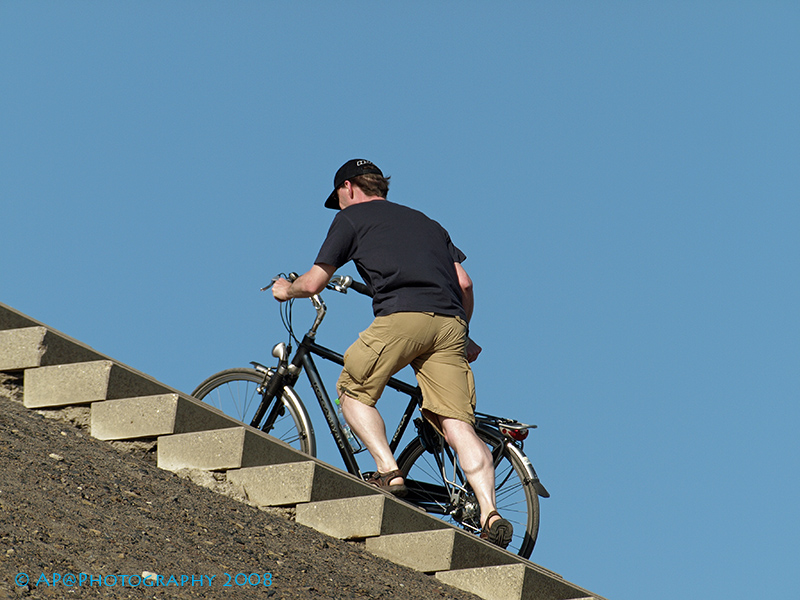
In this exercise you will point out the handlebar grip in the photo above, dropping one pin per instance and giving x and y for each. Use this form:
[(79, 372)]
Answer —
[(360, 288)]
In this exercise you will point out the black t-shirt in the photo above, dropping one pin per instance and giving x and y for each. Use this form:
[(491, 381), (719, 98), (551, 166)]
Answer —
[(405, 258)]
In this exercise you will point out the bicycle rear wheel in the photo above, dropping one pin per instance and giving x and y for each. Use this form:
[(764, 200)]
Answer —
[(235, 392), (437, 484)]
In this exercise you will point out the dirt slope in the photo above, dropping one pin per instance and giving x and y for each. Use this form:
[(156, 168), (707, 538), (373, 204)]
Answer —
[(72, 504)]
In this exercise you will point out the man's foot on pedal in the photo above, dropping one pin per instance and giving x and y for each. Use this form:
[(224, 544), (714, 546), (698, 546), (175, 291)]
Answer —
[(497, 530), (391, 482)]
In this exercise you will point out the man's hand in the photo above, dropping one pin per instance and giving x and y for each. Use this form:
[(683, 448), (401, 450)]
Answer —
[(280, 289), (305, 286), (473, 350)]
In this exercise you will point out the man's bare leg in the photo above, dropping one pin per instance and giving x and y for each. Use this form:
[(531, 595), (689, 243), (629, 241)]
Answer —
[(476, 461), (369, 426)]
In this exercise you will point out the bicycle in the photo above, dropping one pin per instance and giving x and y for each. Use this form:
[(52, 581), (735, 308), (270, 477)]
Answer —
[(433, 476)]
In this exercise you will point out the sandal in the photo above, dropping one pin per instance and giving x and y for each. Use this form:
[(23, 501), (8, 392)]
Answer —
[(498, 533), (381, 481)]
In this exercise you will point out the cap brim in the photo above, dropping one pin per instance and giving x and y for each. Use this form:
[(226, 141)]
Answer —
[(332, 201)]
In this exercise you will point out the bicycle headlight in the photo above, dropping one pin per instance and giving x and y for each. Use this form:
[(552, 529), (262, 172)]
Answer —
[(279, 352)]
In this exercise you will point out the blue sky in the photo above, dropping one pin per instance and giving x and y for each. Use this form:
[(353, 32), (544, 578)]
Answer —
[(623, 177)]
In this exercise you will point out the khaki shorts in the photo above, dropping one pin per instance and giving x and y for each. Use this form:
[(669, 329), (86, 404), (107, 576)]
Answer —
[(434, 346)]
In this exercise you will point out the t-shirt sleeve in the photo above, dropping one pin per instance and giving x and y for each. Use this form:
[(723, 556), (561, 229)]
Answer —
[(457, 255), (339, 245)]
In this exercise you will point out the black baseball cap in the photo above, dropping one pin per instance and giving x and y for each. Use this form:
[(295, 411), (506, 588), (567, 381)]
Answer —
[(349, 170)]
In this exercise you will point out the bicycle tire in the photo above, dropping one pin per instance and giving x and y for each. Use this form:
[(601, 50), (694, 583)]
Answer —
[(234, 392), (517, 500)]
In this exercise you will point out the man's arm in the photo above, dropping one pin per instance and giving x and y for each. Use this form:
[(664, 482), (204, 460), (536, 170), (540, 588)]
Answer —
[(468, 302), (305, 286), (467, 297)]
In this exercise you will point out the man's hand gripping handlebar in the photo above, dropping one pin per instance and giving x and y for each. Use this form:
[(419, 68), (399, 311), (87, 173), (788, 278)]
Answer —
[(339, 283)]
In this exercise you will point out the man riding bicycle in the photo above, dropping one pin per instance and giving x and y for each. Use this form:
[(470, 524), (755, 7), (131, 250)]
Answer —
[(422, 302)]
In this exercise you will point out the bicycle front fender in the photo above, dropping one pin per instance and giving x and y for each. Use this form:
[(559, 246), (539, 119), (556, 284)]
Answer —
[(291, 395), (287, 397)]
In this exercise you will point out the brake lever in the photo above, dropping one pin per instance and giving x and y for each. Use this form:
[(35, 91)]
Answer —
[(290, 277), (271, 283)]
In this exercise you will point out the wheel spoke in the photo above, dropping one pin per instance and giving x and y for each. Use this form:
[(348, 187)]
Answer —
[(235, 393), (515, 501)]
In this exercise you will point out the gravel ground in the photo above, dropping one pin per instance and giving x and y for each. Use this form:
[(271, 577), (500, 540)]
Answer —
[(82, 518)]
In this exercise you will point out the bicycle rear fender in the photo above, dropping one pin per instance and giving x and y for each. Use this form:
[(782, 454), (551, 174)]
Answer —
[(526, 462)]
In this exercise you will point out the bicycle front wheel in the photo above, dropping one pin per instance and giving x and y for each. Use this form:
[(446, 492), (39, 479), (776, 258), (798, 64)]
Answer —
[(235, 392), (437, 484)]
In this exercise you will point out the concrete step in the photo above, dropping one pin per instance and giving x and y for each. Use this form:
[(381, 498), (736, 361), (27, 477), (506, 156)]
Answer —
[(126, 404), (84, 383), (223, 449), (513, 582), (28, 347), (152, 416), (11, 318), (442, 550), (297, 483), (365, 517)]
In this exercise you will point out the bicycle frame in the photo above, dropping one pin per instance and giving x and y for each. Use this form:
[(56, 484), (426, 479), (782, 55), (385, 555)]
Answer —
[(287, 373), (303, 358), (434, 477)]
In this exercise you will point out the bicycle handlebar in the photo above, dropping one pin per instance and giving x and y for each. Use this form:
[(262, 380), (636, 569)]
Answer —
[(361, 288), (342, 283), (339, 283)]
